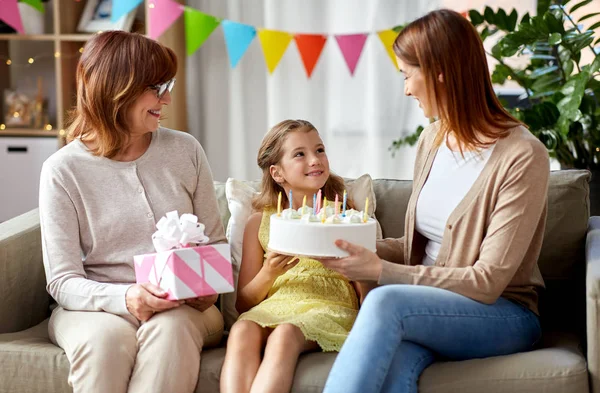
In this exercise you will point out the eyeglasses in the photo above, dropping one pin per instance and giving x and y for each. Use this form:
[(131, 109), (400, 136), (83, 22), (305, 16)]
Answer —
[(163, 88)]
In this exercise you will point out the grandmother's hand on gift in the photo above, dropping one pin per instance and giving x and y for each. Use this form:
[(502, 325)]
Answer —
[(144, 300), (202, 303), (360, 265)]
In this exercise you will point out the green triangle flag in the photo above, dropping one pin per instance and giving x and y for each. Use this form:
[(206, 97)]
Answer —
[(198, 27), (37, 4)]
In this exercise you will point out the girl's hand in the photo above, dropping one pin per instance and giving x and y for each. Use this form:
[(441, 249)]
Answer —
[(144, 300), (360, 265), (277, 264), (202, 303)]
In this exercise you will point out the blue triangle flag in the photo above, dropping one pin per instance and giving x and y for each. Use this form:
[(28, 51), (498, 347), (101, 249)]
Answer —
[(122, 7), (238, 38)]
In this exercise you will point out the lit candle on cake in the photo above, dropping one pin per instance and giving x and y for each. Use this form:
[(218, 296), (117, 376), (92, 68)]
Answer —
[(324, 216), (290, 199), (336, 204), (345, 199), (319, 202), (279, 205), (304, 204), (314, 204), (366, 215)]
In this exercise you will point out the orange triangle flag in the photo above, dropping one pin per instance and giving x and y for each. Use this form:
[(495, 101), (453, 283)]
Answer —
[(274, 44), (310, 47), (388, 37)]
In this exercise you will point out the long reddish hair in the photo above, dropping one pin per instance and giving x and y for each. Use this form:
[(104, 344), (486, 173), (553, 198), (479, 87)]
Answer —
[(444, 42), (115, 68), (270, 153)]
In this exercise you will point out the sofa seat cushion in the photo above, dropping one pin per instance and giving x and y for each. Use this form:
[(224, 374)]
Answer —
[(30, 363), (558, 366)]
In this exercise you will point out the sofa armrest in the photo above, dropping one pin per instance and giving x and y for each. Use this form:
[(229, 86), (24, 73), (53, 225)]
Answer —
[(23, 297), (592, 256)]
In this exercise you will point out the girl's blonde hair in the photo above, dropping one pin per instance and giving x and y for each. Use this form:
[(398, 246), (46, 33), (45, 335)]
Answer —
[(270, 153)]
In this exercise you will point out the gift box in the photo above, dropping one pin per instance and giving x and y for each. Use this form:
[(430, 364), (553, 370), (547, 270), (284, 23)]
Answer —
[(185, 271)]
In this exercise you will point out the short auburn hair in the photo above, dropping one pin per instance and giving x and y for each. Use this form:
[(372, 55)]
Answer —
[(115, 69), (444, 42)]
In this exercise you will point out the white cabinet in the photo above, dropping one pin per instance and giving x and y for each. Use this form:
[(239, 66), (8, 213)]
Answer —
[(21, 160)]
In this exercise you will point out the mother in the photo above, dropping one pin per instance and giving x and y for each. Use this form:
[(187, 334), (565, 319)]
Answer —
[(100, 197), (463, 282)]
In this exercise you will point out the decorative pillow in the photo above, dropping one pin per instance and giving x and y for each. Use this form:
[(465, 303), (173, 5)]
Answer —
[(239, 198)]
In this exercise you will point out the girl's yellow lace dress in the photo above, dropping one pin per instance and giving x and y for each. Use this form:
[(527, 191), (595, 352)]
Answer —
[(319, 301)]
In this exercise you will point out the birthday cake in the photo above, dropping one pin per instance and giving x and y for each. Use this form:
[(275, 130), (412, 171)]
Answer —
[(302, 232)]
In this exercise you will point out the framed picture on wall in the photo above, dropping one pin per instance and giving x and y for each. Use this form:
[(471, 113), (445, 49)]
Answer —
[(96, 17)]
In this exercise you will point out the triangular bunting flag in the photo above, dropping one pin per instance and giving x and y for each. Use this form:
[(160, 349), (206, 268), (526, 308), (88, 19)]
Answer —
[(310, 47), (388, 37), (162, 16), (122, 7), (274, 43), (198, 27), (351, 46), (11, 15), (237, 39), (37, 4)]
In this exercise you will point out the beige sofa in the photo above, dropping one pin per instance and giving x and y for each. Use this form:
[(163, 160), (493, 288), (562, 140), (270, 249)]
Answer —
[(30, 363)]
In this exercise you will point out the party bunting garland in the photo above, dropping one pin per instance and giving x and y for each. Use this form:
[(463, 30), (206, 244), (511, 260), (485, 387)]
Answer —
[(238, 36), (274, 43)]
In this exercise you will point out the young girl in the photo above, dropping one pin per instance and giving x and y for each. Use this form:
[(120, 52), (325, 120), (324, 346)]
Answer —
[(289, 304)]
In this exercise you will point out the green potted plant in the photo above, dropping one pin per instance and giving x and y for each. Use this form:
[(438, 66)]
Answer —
[(561, 103)]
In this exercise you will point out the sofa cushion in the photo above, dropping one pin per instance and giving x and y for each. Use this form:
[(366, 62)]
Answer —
[(562, 259), (23, 287), (392, 200), (560, 368), (30, 363)]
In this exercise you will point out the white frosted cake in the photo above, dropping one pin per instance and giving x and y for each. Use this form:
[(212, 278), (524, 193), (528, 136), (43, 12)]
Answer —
[(293, 233)]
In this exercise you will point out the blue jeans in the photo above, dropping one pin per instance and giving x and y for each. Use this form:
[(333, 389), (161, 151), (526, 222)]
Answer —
[(400, 329)]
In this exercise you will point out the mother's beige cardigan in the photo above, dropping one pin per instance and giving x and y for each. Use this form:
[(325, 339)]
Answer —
[(493, 238)]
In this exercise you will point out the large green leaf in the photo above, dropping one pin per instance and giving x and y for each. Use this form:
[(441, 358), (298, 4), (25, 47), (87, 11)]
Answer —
[(476, 18), (554, 25), (526, 18), (573, 91), (489, 15), (542, 84), (512, 20), (501, 19), (500, 74), (568, 67), (595, 66), (579, 5)]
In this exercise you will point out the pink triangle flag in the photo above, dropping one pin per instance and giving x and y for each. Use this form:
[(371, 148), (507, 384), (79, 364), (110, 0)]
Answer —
[(11, 15), (163, 13), (351, 46)]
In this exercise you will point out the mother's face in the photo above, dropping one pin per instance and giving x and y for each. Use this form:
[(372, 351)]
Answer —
[(144, 114), (414, 86)]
